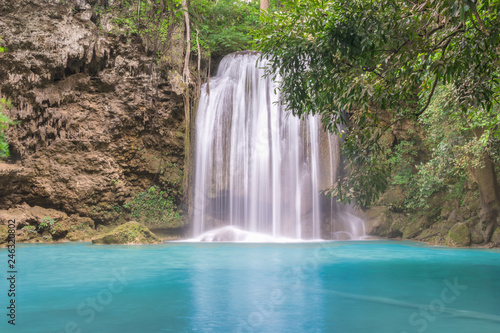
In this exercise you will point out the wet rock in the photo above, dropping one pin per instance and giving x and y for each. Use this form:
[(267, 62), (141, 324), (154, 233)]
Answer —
[(376, 222), (131, 233), (459, 235)]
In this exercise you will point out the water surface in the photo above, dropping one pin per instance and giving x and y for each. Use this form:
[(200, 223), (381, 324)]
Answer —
[(370, 286)]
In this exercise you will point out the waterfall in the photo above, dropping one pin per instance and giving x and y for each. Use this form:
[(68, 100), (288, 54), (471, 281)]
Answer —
[(257, 167)]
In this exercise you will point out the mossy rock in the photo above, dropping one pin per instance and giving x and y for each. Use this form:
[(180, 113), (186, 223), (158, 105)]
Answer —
[(435, 240), (495, 239), (398, 225), (4, 234), (428, 234), (128, 233), (459, 235), (376, 220), (415, 227), (477, 235), (393, 197)]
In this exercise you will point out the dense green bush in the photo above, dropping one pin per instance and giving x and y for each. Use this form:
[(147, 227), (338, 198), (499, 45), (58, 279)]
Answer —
[(155, 208)]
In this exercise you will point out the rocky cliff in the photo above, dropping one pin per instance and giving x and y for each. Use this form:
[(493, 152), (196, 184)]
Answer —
[(444, 221), (99, 120)]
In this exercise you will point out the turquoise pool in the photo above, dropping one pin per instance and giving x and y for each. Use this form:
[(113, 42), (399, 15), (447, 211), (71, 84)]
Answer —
[(365, 286)]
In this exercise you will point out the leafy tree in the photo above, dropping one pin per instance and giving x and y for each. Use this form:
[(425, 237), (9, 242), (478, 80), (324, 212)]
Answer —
[(224, 26), (447, 138), (380, 63)]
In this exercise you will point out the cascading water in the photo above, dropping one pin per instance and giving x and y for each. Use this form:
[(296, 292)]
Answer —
[(258, 168)]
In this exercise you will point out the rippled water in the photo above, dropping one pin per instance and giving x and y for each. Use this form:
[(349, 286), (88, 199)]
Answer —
[(370, 286)]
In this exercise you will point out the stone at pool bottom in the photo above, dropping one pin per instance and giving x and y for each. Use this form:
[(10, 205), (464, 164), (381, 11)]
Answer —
[(131, 233)]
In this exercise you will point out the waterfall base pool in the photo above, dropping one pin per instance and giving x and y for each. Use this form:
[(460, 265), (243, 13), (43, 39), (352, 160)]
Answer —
[(370, 286)]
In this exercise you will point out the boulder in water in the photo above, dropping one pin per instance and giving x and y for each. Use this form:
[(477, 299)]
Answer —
[(131, 233), (459, 235)]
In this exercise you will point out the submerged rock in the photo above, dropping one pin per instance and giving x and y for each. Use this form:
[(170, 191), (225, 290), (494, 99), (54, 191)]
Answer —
[(128, 233)]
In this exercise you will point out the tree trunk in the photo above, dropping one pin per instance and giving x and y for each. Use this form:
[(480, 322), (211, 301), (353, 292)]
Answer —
[(187, 108), (490, 195), (489, 192), (185, 72), (264, 4)]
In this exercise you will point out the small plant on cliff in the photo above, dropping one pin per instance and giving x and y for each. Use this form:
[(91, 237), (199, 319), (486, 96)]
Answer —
[(29, 231), (155, 208), (5, 122), (49, 224)]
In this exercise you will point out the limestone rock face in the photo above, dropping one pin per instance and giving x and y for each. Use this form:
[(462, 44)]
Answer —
[(131, 233), (445, 221), (376, 220), (98, 120), (38, 224)]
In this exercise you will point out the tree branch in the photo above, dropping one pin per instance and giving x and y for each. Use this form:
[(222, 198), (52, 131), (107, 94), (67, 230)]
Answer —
[(433, 31), (448, 38), (435, 81), (429, 97), (480, 22)]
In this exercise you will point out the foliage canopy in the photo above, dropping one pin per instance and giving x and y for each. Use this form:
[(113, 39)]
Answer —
[(380, 63), (224, 26)]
